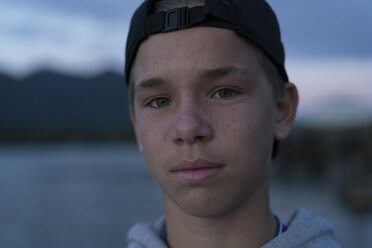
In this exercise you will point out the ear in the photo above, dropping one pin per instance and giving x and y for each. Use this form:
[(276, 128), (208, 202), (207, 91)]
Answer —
[(286, 111), (134, 123)]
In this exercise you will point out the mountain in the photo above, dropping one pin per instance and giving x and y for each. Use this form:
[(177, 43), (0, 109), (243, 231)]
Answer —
[(50, 104)]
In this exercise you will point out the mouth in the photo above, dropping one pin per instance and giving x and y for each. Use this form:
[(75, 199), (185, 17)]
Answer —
[(196, 171)]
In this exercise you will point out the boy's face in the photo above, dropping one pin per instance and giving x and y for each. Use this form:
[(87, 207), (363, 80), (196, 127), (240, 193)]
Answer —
[(202, 99)]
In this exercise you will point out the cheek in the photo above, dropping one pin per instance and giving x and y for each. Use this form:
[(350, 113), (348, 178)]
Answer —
[(247, 132), (246, 120), (251, 137), (229, 123), (153, 146), (153, 133)]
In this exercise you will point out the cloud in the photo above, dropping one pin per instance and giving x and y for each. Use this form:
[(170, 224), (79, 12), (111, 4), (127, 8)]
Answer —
[(334, 90), (332, 28), (33, 37), (108, 10), (85, 35)]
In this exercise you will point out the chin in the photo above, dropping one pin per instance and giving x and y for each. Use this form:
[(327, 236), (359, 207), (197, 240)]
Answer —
[(204, 203), (216, 200)]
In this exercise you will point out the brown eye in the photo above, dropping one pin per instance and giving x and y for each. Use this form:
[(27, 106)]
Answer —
[(225, 93)]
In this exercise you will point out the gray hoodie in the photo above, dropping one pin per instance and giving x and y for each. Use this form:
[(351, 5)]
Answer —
[(303, 231)]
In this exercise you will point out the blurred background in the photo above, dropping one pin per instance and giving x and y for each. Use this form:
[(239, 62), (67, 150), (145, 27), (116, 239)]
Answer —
[(70, 171)]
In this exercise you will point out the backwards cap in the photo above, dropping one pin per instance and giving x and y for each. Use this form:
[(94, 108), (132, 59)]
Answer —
[(253, 19)]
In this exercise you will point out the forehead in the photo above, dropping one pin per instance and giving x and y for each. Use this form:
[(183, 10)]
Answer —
[(183, 54)]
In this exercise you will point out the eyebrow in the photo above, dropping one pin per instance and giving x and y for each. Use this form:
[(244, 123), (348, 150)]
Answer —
[(151, 83), (224, 71), (206, 74)]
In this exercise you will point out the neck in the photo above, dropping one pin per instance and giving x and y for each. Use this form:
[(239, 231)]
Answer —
[(250, 224)]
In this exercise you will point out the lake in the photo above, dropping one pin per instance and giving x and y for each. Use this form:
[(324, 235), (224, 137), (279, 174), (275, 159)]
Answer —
[(88, 195)]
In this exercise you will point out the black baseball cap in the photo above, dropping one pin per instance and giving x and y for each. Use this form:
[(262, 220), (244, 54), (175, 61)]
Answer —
[(253, 19)]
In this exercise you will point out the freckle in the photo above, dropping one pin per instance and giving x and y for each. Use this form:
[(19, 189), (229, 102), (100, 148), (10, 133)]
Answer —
[(227, 127)]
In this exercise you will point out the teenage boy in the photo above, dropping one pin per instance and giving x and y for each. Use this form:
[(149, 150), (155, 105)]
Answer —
[(210, 99)]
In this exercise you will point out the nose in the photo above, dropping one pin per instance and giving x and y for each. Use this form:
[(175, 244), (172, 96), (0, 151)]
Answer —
[(191, 126)]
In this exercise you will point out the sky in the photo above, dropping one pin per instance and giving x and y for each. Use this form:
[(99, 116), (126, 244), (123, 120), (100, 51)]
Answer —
[(327, 42)]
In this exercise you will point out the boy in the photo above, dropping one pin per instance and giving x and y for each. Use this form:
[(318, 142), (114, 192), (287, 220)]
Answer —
[(210, 99)]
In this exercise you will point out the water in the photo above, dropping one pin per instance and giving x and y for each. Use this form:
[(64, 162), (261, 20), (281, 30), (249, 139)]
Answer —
[(88, 195)]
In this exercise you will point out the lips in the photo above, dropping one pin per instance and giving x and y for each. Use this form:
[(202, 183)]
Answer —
[(196, 171)]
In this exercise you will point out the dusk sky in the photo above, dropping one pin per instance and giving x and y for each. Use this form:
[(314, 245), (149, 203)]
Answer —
[(328, 45)]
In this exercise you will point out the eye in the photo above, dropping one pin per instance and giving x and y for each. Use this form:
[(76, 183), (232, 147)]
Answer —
[(225, 93), (158, 102)]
